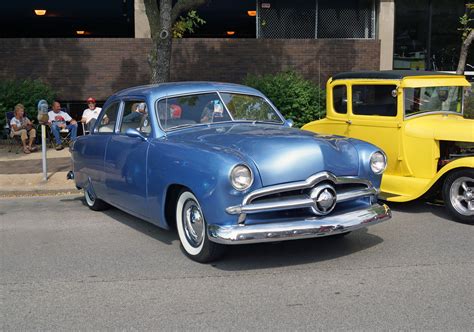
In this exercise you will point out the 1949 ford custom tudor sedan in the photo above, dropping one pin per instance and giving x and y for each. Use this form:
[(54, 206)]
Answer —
[(221, 164)]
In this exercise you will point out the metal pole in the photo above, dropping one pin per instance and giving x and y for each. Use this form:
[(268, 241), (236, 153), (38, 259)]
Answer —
[(43, 150)]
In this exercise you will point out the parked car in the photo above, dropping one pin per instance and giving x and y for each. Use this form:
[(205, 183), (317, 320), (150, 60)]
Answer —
[(220, 163), (416, 117)]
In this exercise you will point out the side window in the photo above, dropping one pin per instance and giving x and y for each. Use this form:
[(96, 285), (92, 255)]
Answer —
[(108, 120), (374, 100), (339, 99), (192, 109), (135, 115)]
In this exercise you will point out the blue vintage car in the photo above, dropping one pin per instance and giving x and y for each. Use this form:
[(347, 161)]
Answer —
[(219, 163)]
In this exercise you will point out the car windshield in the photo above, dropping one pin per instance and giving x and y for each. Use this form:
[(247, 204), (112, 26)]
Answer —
[(433, 99), (250, 108), (191, 110)]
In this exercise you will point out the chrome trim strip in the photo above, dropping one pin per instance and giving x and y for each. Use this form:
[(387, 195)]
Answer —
[(296, 203), (247, 207), (308, 183), (300, 229)]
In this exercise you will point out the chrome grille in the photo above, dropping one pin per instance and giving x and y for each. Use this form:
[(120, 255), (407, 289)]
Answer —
[(298, 195)]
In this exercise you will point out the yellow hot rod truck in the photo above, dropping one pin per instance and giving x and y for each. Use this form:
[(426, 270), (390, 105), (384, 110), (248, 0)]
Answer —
[(417, 119)]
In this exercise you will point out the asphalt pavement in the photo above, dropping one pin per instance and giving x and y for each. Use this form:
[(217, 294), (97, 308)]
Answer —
[(65, 267)]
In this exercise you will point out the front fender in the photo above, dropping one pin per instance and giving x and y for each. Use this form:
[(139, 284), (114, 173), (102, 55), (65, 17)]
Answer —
[(204, 170), (413, 188)]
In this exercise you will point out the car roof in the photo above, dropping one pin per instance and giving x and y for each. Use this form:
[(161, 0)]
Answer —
[(389, 74), (161, 90)]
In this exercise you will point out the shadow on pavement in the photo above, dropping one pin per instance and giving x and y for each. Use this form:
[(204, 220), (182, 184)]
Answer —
[(295, 252), (263, 255), (422, 206)]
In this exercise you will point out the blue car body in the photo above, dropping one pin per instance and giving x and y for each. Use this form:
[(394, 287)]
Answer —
[(142, 175)]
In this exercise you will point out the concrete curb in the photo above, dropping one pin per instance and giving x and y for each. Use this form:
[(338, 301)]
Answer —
[(32, 193)]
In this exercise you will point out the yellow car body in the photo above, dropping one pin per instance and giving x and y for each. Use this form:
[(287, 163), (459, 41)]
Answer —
[(422, 145)]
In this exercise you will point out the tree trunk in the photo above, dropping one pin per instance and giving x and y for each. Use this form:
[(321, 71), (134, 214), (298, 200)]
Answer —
[(161, 66), (161, 19), (464, 50)]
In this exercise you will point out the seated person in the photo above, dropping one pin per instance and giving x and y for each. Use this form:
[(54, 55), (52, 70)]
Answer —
[(90, 114), (138, 110), (22, 126), (57, 120), (212, 110)]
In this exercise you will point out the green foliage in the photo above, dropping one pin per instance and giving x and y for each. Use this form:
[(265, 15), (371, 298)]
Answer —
[(187, 24), (466, 20), (295, 97), (26, 92), (469, 104)]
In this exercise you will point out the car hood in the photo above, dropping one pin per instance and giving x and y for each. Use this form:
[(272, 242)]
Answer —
[(280, 154), (441, 127)]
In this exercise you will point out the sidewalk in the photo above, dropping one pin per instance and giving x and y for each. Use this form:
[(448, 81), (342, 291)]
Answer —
[(22, 174)]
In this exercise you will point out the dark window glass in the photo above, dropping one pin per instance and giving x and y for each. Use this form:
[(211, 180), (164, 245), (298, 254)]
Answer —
[(108, 120), (374, 100), (417, 47), (339, 99), (135, 115)]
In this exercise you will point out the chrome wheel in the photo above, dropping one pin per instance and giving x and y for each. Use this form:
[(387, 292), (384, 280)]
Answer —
[(193, 223), (461, 195)]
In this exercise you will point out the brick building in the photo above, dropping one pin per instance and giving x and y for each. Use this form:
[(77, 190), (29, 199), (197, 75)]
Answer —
[(316, 38)]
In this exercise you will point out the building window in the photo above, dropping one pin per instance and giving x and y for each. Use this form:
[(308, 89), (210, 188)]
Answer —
[(427, 35), (345, 19)]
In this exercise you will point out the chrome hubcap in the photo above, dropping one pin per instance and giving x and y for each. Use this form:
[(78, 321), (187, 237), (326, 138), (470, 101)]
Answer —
[(193, 223), (462, 195), (324, 198)]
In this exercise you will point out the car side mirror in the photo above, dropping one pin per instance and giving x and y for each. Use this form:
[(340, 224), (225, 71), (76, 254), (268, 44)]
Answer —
[(132, 132), (288, 123)]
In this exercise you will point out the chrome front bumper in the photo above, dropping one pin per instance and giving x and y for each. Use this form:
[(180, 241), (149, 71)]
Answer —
[(301, 229)]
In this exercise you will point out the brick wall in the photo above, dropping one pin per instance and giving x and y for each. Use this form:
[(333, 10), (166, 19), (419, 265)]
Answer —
[(78, 68)]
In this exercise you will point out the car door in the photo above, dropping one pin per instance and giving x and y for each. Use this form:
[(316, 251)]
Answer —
[(96, 146), (373, 118), (126, 159)]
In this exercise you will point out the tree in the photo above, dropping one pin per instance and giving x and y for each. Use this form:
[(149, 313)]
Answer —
[(467, 36), (162, 15)]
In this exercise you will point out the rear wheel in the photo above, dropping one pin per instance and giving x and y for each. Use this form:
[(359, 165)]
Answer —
[(93, 202), (192, 230), (458, 195)]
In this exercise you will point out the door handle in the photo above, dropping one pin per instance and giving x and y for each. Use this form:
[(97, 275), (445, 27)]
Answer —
[(349, 122)]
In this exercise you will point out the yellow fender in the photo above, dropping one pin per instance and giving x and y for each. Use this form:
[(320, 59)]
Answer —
[(421, 186)]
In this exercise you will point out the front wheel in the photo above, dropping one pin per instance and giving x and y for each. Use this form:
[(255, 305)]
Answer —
[(192, 230), (458, 195)]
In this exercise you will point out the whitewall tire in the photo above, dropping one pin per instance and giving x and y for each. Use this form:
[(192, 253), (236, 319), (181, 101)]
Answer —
[(192, 230)]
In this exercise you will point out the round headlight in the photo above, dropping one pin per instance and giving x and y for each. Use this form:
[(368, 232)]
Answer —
[(378, 162), (241, 177)]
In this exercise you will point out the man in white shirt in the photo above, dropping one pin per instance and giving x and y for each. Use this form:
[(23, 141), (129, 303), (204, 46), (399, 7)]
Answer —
[(90, 114), (57, 120)]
